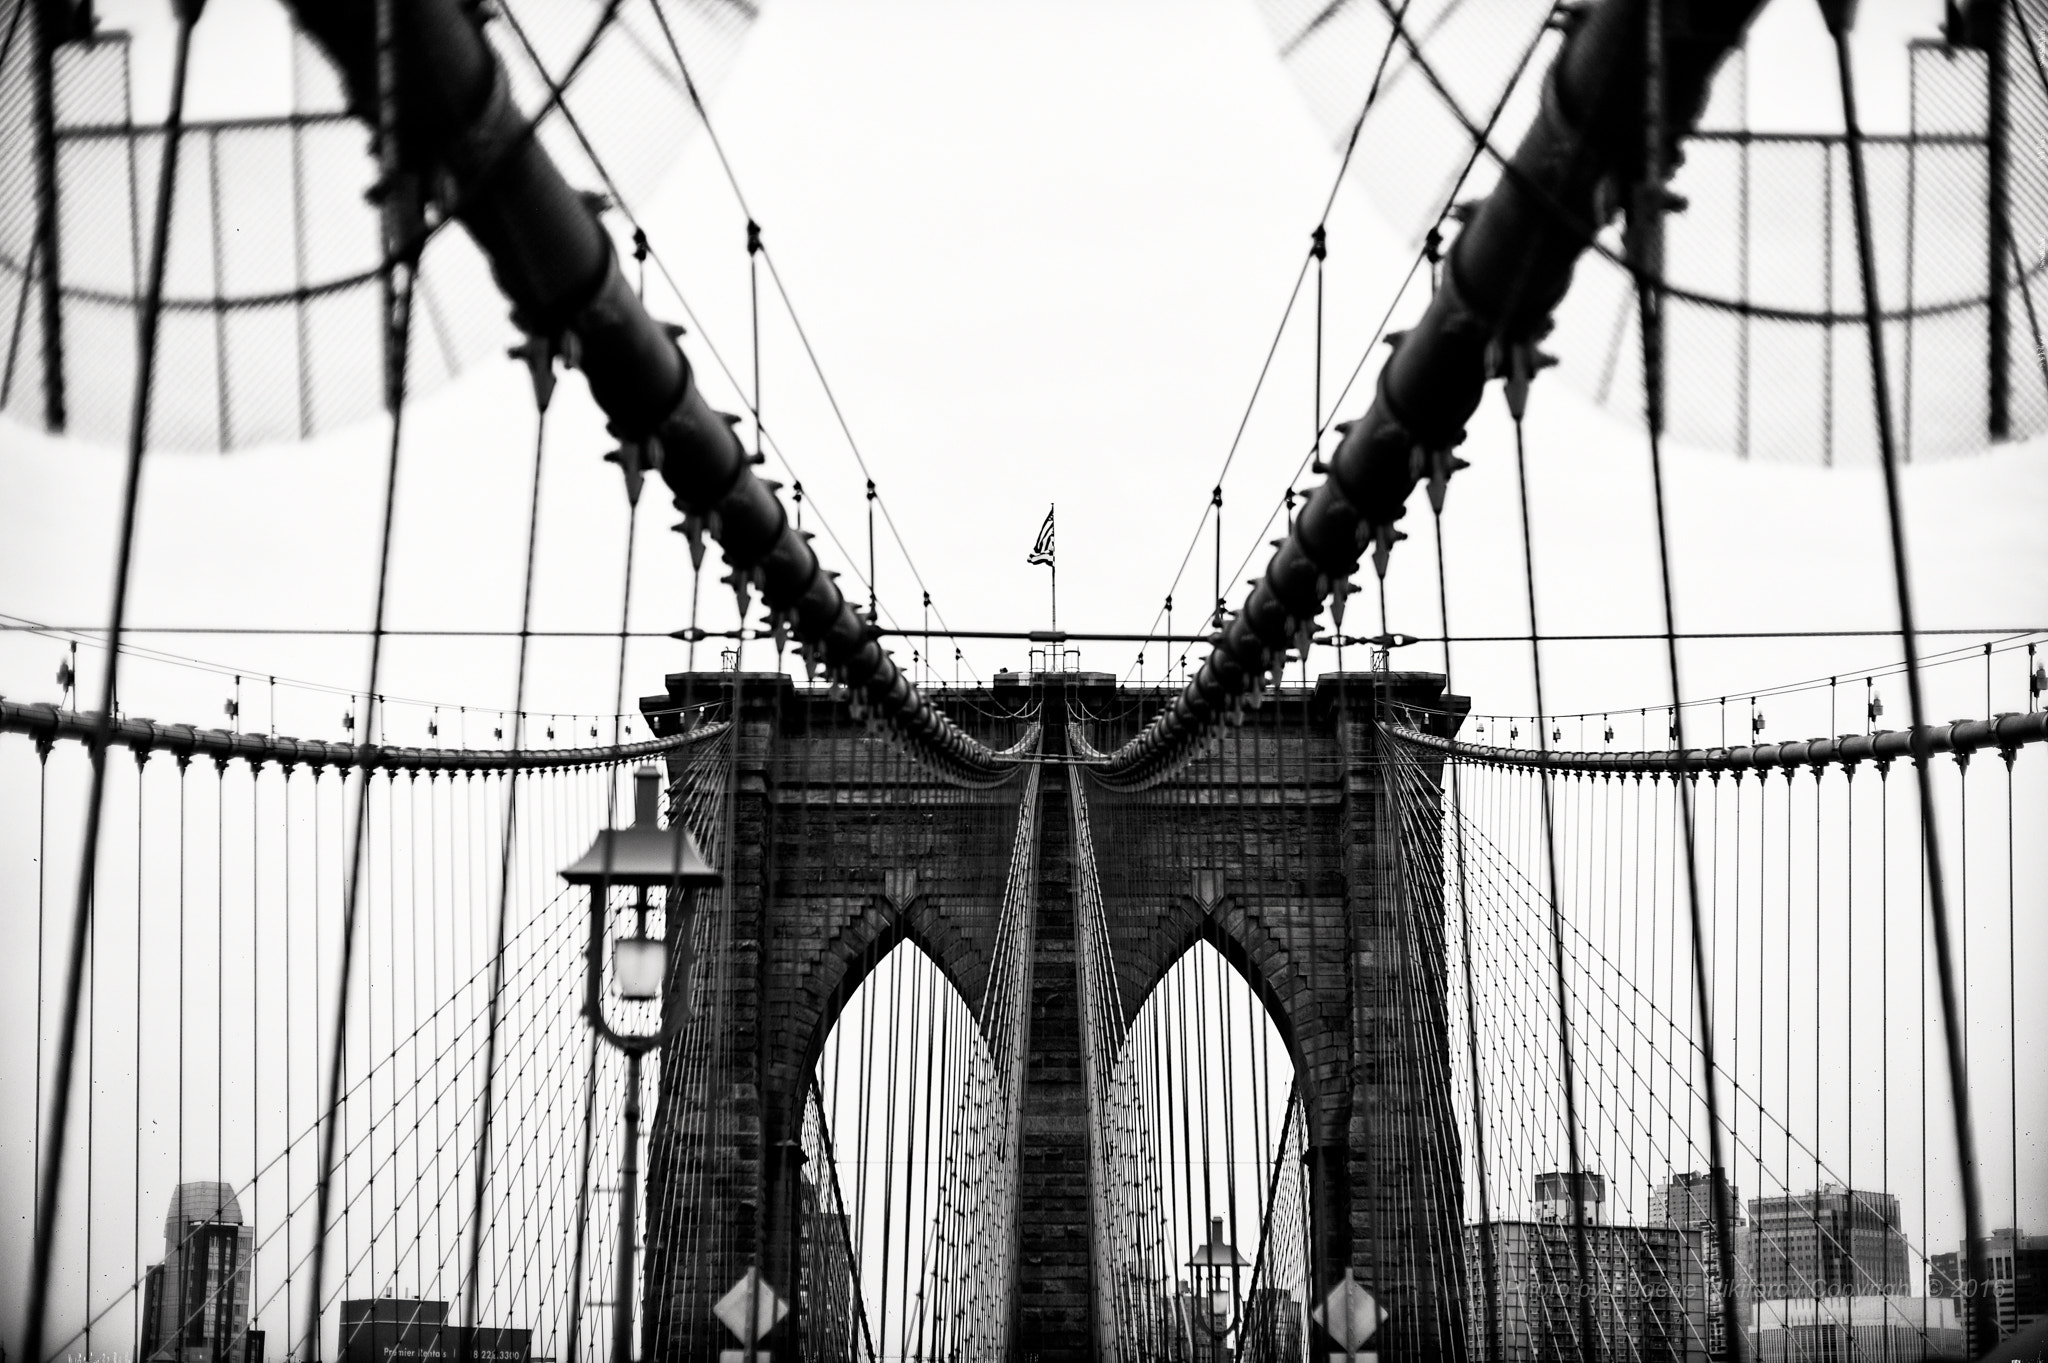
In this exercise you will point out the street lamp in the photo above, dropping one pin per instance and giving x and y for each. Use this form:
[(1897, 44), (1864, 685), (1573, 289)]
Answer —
[(641, 858), (1212, 1261)]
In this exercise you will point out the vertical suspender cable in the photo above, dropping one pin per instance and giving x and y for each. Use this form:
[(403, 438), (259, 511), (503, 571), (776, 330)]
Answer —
[(135, 1314), (629, 1158), (2012, 1071), (1587, 1348), (1487, 1268), (1216, 500), (255, 986), (874, 608), (1937, 903), (495, 1004), (576, 1271), (1646, 236), (291, 1138), (1884, 975), (1849, 1000), (43, 747), (398, 290), (52, 1173)]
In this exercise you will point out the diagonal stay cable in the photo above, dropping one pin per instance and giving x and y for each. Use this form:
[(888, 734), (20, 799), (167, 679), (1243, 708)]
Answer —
[(1326, 418), (1294, 295), (1307, 459), (697, 101), (888, 518), (620, 201), (399, 276), (1258, 386), (788, 304), (509, 838)]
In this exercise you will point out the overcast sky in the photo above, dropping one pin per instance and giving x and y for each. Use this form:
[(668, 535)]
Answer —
[(1040, 252)]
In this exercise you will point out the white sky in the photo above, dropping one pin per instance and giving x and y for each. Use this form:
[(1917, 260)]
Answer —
[(1041, 251)]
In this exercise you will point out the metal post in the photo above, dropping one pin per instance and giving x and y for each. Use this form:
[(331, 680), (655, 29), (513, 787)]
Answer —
[(791, 1181), (629, 1179), (1329, 1195)]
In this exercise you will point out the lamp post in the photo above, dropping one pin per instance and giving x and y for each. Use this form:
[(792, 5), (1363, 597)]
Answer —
[(1211, 1262), (642, 857)]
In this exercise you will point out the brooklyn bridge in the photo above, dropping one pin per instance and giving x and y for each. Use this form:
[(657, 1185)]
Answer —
[(1299, 972)]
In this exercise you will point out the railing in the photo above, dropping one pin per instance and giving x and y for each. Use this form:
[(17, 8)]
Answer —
[(2006, 733), (47, 724)]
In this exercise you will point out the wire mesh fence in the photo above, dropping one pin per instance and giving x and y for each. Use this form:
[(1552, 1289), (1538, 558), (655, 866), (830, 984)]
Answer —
[(1765, 347), (270, 330)]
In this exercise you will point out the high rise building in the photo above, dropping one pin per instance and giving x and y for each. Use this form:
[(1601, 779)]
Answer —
[(1831, 1242), (1687, 1200), (1554, 1197), (1645, 1284), (2016, 1280), (197, 1300)]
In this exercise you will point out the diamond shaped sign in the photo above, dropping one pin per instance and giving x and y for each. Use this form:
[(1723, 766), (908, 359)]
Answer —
[(768, 1308), (1349, 1313)]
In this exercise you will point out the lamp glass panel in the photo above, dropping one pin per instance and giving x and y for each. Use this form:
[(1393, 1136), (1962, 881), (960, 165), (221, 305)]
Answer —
[(641, 964)]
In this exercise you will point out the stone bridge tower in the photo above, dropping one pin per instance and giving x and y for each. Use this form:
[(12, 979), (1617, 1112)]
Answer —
[(1277, 846)]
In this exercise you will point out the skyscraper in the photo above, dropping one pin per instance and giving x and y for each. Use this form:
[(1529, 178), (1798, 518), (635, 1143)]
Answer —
[(1554, 1197), (1645, 1285), (2016, 1273), (1687, 1200), (1832, 1242), (197, 1299)]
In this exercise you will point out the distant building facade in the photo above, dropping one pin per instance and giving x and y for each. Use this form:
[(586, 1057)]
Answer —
[(2016, 1280), (1831, 1242), (1900, 1329), (1687, 1200), (196, 1302), (1646, 1284), (411, 1330), (1555, 1202)]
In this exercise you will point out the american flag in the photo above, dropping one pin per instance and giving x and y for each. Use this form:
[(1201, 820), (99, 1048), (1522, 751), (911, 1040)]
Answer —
[(1041, 550)]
